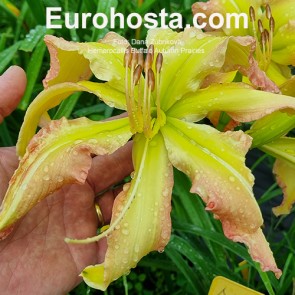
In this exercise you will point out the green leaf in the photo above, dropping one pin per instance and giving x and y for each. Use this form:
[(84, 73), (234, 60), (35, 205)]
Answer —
[(10, 8), (183, 267), (33, 70), (66, 107), (32, 39), (38, 11), (216, 238), (7, 55), (103, 7)]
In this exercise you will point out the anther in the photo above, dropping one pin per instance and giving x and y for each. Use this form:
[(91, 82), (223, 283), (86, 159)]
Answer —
[(266, 35), (272, 24), (148, 62), (151, 79), (137, 74), (140, 59), (268, 11), (263, 38), (127, 56), (159, 62), (134, 59), (151, 50), (252, 14), (260, 26)]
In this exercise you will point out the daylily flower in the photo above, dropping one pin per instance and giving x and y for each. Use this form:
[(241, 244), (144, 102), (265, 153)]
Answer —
[(162, 105), (272, 23), (273, 26)]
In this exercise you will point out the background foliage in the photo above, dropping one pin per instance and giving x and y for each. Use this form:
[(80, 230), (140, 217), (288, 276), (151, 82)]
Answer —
[(198, 250)]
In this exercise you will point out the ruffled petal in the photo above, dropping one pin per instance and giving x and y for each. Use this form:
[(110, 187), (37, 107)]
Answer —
[(62, 67), (215, 162), (104, 58), (285, 172), (59, 154), (52, 97), (146, 224), (239, 100)]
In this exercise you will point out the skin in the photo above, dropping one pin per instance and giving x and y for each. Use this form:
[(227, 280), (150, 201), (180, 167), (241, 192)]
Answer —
[(34, 259)]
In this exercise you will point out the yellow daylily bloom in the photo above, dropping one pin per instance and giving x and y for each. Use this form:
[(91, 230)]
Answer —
[(271, 22), (162, 105)]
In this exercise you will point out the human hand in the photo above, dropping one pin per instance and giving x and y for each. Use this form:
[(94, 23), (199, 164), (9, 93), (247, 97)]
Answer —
[(34, 259)]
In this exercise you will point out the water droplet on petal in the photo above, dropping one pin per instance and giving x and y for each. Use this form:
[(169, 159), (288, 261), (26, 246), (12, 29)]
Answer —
[(46, 177), (125, 232), (231, 178)]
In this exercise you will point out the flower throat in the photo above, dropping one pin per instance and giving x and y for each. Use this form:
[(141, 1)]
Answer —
[(143, 101)]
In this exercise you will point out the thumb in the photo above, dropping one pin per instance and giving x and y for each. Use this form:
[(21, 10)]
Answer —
[(12, 86)]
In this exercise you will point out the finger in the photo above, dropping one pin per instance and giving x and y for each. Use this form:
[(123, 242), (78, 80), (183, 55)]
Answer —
[(110, 169), (12, 87)]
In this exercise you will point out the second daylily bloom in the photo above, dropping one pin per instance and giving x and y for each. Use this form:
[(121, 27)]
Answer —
[(162, 105), (271, 22)]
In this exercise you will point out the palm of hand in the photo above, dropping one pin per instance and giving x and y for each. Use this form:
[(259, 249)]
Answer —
[(34, 259), (37, 244)]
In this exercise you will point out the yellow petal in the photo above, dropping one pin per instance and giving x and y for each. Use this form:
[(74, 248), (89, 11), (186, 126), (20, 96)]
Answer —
[(285, 172), (193, 47), (52, 97), (146, 223), (59, 154), (215, 162), (239, 100)]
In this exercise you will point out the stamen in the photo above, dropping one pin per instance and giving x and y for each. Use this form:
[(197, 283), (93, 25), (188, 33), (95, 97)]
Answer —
[(159, 62), (260, 26), (272, 24), (148, 62), (151, 79), (252, 14), (151, 50), (127, 57), (137, 74), (263, 42), (268, 11), (134, 60), (140, 59)]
